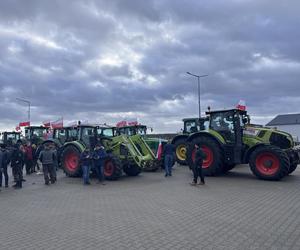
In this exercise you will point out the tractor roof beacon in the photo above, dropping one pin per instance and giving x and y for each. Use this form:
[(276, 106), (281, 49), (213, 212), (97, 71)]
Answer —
[(229, 139)]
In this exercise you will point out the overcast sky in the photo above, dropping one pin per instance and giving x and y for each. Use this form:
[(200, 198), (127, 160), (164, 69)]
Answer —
[(103, 61)]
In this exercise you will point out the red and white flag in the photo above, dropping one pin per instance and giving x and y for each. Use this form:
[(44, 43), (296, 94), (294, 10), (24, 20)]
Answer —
[(241, 105), (24, 124), (159, 151), (18, 128), (47, 124), (58, 123), (121, 124)]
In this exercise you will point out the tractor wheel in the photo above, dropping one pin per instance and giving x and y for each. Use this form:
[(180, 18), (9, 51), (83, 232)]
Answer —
[(132, 170), (181, 149), (228, 167), (70, 161), (213, 163), (269, 163), (293, 168), (112, 168)]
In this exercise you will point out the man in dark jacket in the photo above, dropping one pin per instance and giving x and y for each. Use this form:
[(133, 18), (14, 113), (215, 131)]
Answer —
[(17, 162), (99, 157), (4, 160), (169, 154), (86, 160), (48, 158), (197, 168)]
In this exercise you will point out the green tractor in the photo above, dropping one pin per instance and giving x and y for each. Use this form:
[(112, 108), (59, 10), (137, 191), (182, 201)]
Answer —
[(141, 130), (126, 154), (37, 135), (190, 125), (228, 139)]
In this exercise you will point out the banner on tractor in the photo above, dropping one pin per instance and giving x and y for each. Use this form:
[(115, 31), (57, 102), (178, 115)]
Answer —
[(125, 123), (24, 124), (241, 105), (58, 123)]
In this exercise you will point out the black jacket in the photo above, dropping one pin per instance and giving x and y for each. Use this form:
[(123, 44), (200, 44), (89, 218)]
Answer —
[(200, 156), (17, 158), (86, 158)]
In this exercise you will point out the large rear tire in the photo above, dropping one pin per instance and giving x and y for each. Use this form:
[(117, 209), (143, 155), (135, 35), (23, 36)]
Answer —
[(132, 170), (269, 163), (112, 168), (181, 150), (213, 164), (70, 160), (293, 168)]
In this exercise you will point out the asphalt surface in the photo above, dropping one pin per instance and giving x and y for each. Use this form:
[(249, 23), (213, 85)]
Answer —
[(235, 211)]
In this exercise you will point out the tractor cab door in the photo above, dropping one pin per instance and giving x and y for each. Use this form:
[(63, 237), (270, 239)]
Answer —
[(88, 136), (227, 124)]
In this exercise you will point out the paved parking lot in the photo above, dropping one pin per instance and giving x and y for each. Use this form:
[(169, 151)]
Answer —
[(235, 211)]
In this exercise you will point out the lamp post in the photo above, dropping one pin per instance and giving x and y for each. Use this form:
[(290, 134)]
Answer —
[(198, 89), (27, 102)]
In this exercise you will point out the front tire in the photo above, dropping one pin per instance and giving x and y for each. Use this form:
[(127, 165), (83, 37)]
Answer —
[(213, 164), (269, 163), (132, 170), (70, 161), (181, 150), (112, 168)]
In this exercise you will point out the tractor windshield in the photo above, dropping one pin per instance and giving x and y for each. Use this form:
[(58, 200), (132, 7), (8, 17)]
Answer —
[(191, 126), (109, 132), (223, 122)]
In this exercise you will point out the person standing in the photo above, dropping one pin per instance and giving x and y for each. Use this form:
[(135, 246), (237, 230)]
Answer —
[(4, 159), (28, 158), (17, 162), (47, 158), (197, 168), (169, 155), (99, 157), (53, 148), (34, 158), (86, 162)]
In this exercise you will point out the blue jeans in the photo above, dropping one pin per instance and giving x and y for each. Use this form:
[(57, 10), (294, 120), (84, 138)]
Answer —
[(99, 166), (86, 173), (168, 164)]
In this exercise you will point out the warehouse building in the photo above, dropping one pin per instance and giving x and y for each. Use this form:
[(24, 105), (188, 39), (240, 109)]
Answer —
[(289, 123)]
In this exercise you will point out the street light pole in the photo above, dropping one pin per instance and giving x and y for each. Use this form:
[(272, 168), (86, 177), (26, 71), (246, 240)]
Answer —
[(198, 77), (29, 105)]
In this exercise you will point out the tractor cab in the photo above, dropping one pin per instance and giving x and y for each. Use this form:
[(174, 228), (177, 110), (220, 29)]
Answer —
[(10, 138), (193, 125), (132, 130), (65, 134), (106, 131), (35, 134)]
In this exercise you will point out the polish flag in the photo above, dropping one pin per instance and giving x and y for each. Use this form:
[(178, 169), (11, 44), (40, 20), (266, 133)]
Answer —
[(159, 150), (47, 124), (121, 124), (24, 124), (18, 128), (241, 105), (58, 123)]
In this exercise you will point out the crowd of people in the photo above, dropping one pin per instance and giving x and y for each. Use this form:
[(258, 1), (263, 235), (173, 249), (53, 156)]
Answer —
[(27, 155)]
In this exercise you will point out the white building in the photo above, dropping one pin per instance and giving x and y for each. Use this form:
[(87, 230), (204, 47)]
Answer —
[(289, 123)]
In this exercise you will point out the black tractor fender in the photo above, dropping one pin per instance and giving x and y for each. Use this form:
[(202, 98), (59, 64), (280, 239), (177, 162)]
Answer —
[(249, 151), (179, 137), (203, 133)]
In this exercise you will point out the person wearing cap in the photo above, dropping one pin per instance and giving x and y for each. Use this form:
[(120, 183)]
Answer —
[(197, 168), (4, 159), (99, 157), (86, 160), (48, 158)]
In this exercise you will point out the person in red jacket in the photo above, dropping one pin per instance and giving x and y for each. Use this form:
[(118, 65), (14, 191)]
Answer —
[(29, 158)]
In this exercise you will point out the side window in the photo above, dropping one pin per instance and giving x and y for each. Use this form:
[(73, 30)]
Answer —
[(191, 127)]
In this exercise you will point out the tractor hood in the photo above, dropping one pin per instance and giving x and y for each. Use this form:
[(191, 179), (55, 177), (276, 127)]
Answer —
[(269, 135)]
